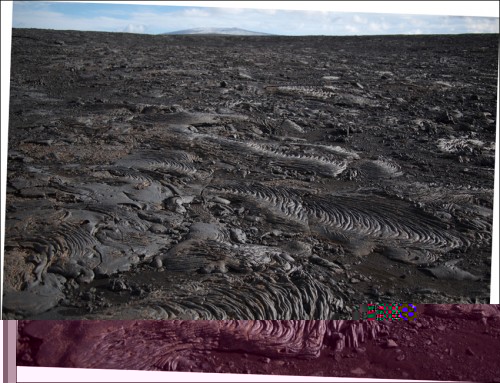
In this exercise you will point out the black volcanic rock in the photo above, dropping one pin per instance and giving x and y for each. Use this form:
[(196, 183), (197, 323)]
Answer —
[(462, 351), (247, 177)]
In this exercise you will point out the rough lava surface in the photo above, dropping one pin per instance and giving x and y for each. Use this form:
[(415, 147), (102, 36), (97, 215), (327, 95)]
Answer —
[(247, 177), (455, 343)]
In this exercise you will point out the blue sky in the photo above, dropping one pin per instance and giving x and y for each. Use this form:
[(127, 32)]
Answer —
[(153, 19)]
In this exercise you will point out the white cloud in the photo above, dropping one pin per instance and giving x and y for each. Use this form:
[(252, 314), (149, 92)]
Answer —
[(156, 20), (359, 19), (481, 25), (193, 12), (415, 32), (269, 11), (231, 11), (378, 27), (351, 29), (134, 28)]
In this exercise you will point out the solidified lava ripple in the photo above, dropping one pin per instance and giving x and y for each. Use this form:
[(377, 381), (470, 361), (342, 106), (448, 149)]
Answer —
[(139, 187), (444, 342)]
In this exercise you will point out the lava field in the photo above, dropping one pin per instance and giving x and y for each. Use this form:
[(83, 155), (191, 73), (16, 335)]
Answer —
[(446, 342), (247, 178)]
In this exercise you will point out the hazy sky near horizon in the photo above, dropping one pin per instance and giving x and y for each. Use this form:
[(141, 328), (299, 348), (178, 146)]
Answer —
[(154, 19)]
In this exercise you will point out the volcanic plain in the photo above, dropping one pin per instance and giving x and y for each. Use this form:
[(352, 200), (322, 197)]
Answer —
[(256, 177)]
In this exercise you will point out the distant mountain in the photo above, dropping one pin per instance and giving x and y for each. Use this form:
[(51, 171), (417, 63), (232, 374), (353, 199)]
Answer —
[(217, 31)]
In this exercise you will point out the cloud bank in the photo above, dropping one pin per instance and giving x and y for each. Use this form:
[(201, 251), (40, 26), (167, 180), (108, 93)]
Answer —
[(160, 19)]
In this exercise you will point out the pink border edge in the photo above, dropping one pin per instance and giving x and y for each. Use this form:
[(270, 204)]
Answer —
[(9, 351)]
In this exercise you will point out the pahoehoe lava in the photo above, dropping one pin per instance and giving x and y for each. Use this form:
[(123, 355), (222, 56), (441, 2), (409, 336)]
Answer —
[(168, 343), (456, 336), (246, 178)]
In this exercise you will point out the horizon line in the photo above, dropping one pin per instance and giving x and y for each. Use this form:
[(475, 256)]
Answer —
[(260, 34)]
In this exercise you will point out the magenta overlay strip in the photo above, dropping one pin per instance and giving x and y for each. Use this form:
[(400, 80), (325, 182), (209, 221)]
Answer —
[(9, 351)]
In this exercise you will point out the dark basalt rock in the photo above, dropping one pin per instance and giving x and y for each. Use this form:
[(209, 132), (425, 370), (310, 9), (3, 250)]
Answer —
[(146, 180), (456, 336)]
